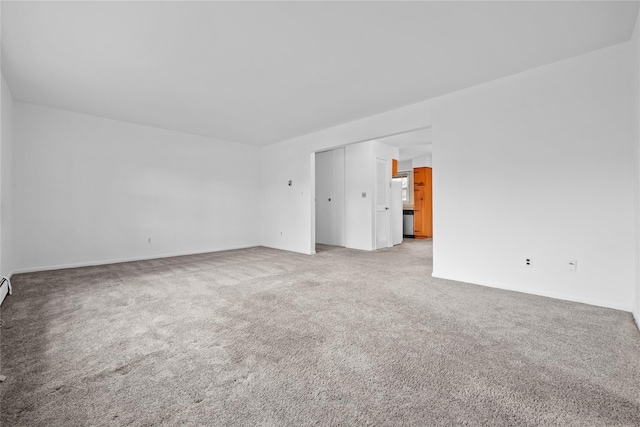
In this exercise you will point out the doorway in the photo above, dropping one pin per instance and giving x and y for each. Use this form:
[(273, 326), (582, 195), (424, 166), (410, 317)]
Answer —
[(354, 203), (415, 170), (330, 197)]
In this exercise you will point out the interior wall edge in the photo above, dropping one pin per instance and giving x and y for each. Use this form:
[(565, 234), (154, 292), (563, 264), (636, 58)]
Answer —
[(6, 179), (635, 44), (530, 291)]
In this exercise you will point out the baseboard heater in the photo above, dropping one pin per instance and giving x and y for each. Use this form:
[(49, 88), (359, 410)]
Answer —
[(5, 288)]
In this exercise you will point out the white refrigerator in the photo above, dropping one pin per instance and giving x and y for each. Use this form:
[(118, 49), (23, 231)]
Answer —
[(396, 211)]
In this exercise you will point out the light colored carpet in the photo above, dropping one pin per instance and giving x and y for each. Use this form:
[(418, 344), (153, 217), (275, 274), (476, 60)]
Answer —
[(261, 337)]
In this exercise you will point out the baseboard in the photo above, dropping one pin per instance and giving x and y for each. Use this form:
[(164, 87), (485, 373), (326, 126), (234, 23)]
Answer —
[(130, 259), (4, 290), (605, 304), (289, 250)]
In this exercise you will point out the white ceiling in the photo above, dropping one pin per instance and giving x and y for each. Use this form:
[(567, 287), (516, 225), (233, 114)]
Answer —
[(260, 72)]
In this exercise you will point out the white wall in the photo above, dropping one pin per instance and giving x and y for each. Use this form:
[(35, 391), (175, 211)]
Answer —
[(360, 178), (6, 182), (405, 165), (418, 162), (539, 164), (287, 210), (91, 190), (422, 162)]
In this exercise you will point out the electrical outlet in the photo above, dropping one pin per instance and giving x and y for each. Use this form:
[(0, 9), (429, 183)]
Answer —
[(149, 241), (573, 265), (364, 194), (527, 262)]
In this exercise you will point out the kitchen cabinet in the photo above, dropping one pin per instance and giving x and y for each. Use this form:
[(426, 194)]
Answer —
[(422, 202)]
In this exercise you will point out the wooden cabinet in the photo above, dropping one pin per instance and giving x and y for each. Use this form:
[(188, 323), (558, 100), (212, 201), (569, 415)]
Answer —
[(394, 167), (422, 202)]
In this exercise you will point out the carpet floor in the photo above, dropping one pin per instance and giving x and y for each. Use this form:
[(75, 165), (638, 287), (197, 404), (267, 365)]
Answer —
[(261, 337)]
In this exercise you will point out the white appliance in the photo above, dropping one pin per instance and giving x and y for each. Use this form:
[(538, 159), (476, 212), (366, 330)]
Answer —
[(396, 211)]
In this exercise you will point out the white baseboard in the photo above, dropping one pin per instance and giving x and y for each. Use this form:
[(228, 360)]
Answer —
[(130, 259), (554, 295), (4, 290), (303, 252)]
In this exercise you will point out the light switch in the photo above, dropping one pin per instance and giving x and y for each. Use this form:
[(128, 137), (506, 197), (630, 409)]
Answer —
[(364, 194)]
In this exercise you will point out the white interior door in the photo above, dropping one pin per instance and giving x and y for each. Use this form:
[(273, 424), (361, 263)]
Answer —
[(337, 204), (383, 179), (323, 185), (330, 197), (396, 211)]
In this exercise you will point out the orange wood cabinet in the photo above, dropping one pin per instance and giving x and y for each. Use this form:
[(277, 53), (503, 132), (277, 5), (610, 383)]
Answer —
[(394, 167), (422, 202)]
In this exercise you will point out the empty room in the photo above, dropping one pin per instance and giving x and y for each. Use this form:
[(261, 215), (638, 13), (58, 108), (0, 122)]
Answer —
[(293, 213)]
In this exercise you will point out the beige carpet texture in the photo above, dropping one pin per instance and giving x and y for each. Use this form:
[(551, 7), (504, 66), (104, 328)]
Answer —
[(261, 337)]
